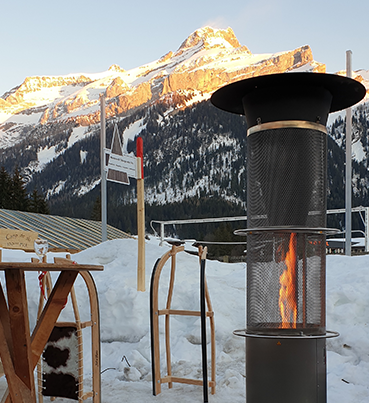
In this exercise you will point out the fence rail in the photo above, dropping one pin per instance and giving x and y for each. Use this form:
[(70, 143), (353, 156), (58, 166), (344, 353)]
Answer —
[(162, 224)]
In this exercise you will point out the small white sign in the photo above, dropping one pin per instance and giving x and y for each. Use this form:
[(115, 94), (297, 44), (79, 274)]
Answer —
[(123, 163)]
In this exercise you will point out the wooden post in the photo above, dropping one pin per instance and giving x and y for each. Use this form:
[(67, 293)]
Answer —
[(140, 218)]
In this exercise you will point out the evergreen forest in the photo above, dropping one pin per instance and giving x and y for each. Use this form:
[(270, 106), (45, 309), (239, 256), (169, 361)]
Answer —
[(194, 165)]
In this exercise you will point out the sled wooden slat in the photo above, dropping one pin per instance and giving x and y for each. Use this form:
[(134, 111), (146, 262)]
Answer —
[(183, 312), (197, 382)]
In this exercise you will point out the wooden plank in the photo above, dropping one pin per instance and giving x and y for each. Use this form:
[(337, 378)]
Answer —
[(198, 382), (63, 260), (17, 239), (141, 235), (183, 312), (80, 342), (19, 326), (87, 395), (11, 376), (17, 390), (5, 320), (85, 324), (28, 266), (167, 318)]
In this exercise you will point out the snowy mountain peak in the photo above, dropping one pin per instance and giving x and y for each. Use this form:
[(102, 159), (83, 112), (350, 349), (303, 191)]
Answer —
[(208, 37), (115, 67)]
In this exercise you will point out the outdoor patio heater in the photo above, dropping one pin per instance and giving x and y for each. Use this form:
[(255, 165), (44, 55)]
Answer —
[(286, 230)]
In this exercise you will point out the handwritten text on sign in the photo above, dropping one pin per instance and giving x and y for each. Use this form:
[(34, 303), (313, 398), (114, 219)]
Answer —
[(17, 239)]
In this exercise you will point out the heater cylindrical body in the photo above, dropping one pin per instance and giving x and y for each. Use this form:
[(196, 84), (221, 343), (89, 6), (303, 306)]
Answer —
[(285, 370), (286, 247)]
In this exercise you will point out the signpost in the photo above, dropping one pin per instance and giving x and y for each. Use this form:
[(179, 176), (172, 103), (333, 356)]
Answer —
[(140, 217), (116, 166), (348, 189), (104, 235)]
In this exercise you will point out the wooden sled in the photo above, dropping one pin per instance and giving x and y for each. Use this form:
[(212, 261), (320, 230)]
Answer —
[(155, 312), (60, 370)]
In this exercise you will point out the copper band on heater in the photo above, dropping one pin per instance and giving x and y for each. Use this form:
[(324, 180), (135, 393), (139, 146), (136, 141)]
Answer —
[(295, 124)]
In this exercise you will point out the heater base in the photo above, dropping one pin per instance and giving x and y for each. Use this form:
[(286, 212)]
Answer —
[(285, 370)]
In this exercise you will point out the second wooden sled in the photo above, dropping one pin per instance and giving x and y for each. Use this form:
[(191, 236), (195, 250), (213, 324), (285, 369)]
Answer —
[(155, 312), (55, 383)]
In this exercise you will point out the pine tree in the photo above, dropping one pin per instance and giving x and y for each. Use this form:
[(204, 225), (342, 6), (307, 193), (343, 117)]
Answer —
[(96, 210), (19, 197), (38, 204), (5, 189)]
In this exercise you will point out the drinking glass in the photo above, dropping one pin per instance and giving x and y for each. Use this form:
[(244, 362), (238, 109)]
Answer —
[(41, 247)]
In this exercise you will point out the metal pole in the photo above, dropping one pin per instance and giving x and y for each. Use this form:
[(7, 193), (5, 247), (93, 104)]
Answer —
[(203, 332), (140, 219), (161, 234), (366, 229), (348, 163), (104, 235)]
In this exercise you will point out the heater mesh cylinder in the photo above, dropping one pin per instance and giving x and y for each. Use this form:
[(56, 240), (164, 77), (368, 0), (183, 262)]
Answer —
[(286, 178), (286, 269)]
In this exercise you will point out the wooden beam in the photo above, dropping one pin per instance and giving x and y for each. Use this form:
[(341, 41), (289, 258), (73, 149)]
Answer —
[(19, 326)]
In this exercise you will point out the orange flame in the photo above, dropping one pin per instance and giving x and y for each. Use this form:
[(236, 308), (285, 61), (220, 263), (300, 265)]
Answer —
[(287, 292)]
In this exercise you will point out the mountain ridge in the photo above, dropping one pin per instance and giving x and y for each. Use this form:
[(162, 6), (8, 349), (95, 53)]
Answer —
[(49, 126), (207, 59)]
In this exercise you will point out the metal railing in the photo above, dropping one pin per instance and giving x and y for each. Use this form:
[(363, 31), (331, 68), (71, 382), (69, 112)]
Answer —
[(162, 224)]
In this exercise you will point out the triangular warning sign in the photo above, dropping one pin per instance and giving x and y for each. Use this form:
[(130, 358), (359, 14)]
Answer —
[(116, 145)]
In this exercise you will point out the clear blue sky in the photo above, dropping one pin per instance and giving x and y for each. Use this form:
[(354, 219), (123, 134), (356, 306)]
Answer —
[(39, 37)]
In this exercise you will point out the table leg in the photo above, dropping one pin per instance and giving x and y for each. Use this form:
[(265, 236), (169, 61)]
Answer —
[(18, 366), (39, 336), (5, 321)]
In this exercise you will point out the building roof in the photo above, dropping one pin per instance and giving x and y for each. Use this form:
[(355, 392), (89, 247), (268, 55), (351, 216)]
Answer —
[(62, 233)]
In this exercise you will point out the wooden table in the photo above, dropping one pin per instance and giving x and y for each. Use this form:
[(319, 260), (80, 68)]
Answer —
[(19, 350)]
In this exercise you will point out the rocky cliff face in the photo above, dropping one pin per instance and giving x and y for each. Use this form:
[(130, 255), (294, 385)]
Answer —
[(206, 60), (203, 79)]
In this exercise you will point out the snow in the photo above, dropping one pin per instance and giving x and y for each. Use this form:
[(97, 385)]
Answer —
[(83, 189), (125, 329), (131, 132), (83, 156), (358, 152), (58, 187), (45, 155), (77, 135)]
